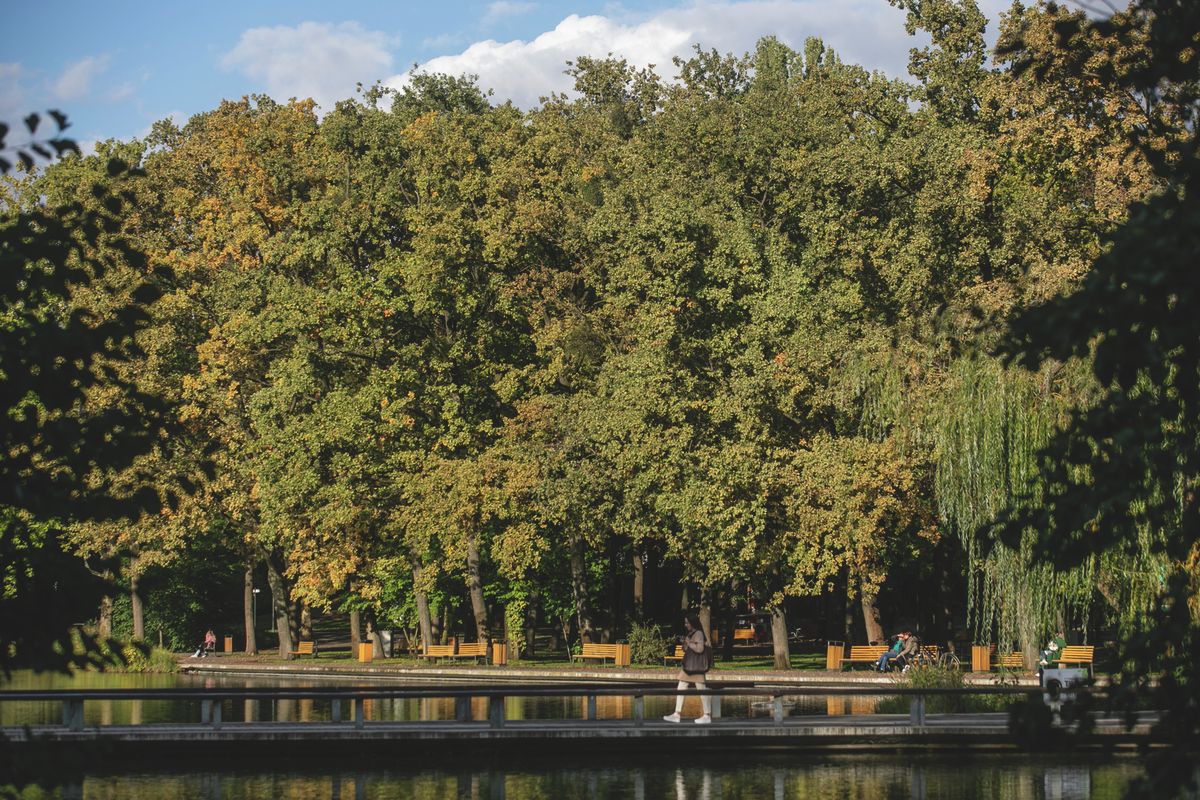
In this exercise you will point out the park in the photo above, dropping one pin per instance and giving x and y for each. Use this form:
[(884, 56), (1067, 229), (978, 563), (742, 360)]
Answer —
[(754, 423)]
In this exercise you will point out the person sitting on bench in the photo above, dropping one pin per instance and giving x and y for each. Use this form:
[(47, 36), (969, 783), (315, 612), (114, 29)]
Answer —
[(905, 646)]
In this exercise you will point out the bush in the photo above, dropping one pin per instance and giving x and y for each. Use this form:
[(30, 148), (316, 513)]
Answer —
[(942, 678), (646, 644), (115, 655)]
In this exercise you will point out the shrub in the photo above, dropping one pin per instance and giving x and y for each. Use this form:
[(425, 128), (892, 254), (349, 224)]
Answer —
[(646, 644)]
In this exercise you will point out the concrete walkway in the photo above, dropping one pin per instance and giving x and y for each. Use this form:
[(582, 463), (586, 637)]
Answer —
[(383, 671)]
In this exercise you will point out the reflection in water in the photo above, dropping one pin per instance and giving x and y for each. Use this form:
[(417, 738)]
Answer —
[(860, 778)]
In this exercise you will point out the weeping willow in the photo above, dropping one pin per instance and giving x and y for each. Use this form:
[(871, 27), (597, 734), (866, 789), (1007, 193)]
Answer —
[(994, 422)]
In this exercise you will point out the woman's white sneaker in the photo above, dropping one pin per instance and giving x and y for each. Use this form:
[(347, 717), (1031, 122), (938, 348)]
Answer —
[(671, 718), (705, 720)]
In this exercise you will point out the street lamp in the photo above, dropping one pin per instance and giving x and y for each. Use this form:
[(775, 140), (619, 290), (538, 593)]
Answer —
[(254, 608)]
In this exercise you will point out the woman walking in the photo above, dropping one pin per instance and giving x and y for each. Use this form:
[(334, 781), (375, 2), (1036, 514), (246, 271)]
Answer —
[(697, 659)]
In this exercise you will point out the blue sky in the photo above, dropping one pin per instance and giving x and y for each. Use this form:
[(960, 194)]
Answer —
[(117, 66)]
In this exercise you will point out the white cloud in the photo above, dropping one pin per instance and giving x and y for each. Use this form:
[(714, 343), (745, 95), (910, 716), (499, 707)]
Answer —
[(312, 59), (75, 83), (506, 8), (867, 32)]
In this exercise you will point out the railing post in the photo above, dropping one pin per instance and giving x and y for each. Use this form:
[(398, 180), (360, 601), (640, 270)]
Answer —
[(335, 710), (591, 706), (639, 709), (359, 715), (215, 714), (205, 711), (496, 711), (916, 711), (462, 709), (72, 714), (715, 704), (777, 709)]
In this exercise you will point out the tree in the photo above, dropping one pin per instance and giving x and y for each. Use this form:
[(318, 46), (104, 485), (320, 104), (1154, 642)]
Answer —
[(1123, 473), (58, 450)]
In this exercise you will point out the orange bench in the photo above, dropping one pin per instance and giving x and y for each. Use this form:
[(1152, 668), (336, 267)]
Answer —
[(864, 654), (619, 653)]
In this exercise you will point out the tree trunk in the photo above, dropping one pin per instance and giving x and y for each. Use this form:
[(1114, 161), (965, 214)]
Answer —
[(475, 590), (579, 587), (104, 624), (639, 586), (248, 611), (424, 618), (294, 608), (730, 620), (279, 607), (706, 613), (373, 636), (779, 638), (355, 632), (305, 623), (444, 636), (135, 606), (871, 617), (530, 626)]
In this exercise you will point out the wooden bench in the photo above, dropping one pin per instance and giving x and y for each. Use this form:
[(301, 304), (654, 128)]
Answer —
[(475, 650), (438, 651), (304, 649), (864, 654), (619, 653), (676, 656), (1013, 660), (744, 635), (1079, 654)]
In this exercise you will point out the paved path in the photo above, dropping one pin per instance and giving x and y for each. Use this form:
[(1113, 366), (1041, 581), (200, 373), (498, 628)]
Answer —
[(349, 670)]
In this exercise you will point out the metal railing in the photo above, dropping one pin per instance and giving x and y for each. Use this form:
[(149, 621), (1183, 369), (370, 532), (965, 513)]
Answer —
[(210, 700)]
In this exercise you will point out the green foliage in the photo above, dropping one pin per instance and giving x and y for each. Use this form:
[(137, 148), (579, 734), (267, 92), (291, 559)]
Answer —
[(647, 645)]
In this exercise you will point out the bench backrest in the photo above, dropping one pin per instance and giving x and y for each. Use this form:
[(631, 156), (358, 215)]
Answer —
[(863, 652), (1013, 659), (439, 650), (678, 651), (599, 650), (1077, 654), (304, 648), (473, 649)]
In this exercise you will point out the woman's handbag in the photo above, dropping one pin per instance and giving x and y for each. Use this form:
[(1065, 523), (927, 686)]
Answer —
[(697, 663)]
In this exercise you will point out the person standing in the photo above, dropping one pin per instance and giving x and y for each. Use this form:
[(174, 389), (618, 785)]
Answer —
[(697, 660)]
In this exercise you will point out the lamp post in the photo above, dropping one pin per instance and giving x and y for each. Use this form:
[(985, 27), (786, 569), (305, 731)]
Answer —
[(254, 608)]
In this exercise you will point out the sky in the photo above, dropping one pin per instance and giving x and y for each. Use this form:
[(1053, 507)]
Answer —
[(116, 67)]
